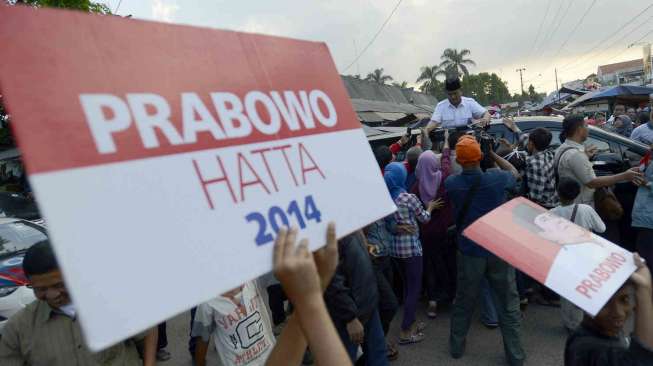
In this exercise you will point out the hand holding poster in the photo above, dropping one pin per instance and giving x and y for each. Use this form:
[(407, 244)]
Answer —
[(572, 261), (165, 158)]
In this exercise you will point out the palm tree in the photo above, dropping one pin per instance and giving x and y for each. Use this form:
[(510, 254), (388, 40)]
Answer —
[(429, 75), (455, 63), (403, 84), (378, 77)]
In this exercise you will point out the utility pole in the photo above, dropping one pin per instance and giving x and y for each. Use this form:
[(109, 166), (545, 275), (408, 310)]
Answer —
[(557, 89), (521, 78)]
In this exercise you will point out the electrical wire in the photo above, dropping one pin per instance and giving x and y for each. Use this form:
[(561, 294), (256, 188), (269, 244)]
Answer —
[(588, 52), (539, 30), (373, 38), (553, 22), (575, 28), (557, 27), (636, 28), (117, 7)]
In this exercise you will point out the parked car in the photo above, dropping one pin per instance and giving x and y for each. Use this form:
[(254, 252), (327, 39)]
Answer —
[(16, 236), (616, 154), (17, 205)]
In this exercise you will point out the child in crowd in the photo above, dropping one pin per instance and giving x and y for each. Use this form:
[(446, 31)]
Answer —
[(239, 323), (601, 341), (584, 216)]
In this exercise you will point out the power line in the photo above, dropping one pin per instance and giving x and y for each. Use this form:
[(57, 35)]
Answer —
[(638, 27), (637, 41), (539, 30), (553, 21), (562, 19), (587, 53), (374, 38), (117, 7), (575, 28)]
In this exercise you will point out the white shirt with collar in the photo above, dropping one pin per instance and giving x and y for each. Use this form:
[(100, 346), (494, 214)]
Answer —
[(450, 116)]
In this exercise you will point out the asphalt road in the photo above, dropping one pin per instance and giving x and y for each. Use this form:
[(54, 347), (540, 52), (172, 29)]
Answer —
[(542, 335)]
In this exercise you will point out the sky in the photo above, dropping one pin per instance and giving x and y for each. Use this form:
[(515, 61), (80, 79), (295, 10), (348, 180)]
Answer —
[(502, 35)]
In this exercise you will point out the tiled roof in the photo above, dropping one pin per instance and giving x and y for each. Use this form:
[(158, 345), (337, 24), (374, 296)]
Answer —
[(612, 68)]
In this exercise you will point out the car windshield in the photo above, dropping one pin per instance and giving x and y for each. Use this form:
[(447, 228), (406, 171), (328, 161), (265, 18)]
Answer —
[(18, 236)]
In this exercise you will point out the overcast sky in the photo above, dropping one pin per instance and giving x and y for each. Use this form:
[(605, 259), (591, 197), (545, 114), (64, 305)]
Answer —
[(502, 35)]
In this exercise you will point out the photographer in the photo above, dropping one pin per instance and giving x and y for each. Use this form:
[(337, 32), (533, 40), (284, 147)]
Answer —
[(475, 193), (456, 110)]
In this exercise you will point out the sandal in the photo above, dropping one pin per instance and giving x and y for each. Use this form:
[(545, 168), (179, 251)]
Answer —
[(431, 311), (414, 338), (392, 352), (420, 327)]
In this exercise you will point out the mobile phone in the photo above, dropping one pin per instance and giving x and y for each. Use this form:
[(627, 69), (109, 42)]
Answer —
[(409, 131)]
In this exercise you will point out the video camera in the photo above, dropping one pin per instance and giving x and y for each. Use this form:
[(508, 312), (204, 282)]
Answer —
[(488, 142)]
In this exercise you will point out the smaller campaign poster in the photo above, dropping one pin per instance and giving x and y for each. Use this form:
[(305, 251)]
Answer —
[(570, 260)]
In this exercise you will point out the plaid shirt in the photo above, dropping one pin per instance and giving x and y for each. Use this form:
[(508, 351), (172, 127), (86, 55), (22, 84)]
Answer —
[(409, 212), (540, 177)]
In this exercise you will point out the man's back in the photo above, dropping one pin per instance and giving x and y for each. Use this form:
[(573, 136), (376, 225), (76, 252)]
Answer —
[(490, 194)]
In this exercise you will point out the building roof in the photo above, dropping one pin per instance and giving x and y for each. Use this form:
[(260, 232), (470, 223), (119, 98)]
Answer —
[(612, 68)]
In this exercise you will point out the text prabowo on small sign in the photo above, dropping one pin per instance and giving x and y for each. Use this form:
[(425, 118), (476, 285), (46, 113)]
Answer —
[(164, 158)]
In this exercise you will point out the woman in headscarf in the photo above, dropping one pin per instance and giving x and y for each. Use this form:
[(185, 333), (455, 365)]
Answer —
[(407, 247), (623, 125), (439, 256)]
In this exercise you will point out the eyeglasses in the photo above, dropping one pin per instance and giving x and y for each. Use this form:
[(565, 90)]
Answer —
[(42, 290)]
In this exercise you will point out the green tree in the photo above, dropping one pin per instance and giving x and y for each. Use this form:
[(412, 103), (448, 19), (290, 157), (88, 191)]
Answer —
[(486, 88), (429, 78), (378, 77), (83, 5), (403, 84), (455, 63), (534, 96)]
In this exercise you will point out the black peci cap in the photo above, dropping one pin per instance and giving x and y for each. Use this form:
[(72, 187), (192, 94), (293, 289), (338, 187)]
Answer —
[(452, 84)]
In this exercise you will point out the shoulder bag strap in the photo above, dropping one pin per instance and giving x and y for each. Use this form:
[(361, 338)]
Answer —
[(468, 200), (556, 164), (573, 214)]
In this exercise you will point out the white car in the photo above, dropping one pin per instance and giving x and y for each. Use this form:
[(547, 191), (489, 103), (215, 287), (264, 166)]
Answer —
[(16, 236)]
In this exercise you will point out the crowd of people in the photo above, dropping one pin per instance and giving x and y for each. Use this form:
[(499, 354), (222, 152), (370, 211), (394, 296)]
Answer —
[(344, 297)]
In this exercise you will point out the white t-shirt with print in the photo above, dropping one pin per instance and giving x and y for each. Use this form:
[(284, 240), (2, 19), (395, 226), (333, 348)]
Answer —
[(586, 217), (242, 334)]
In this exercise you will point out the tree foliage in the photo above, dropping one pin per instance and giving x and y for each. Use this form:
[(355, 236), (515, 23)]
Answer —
[(83, 5), (485, 88), (378, 77), (403, 84), (455, 63), (429, 78)]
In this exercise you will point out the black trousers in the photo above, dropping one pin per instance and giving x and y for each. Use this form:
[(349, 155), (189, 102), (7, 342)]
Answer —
[(162, 340), (440, 269), (388, 303)]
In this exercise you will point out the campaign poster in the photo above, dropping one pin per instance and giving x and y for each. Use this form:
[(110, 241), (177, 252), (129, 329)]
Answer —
[(165, 158), (570, 260)]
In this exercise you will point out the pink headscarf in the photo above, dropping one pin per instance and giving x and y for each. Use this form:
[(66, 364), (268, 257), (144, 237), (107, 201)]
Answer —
[(428, 175)]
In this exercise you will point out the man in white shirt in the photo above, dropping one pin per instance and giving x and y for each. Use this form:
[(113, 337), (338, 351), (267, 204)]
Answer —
[(456, 110)]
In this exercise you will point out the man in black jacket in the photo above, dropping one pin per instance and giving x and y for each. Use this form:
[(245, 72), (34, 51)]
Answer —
[(352, 299)]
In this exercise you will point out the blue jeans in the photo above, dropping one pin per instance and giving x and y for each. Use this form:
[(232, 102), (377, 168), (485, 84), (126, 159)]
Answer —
[(373, 345), (488, 309)]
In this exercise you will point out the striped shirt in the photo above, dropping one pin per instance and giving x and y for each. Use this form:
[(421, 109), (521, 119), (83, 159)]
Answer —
[(39, 335), (409, 212)]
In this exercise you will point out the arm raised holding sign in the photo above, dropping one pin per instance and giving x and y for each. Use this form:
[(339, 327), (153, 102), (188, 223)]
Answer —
[(304, 278)]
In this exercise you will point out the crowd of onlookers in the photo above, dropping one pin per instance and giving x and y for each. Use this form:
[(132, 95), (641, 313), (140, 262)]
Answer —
[(343, 298)]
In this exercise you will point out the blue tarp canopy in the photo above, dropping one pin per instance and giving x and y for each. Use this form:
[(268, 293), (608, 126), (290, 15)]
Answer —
[(631, 93)]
